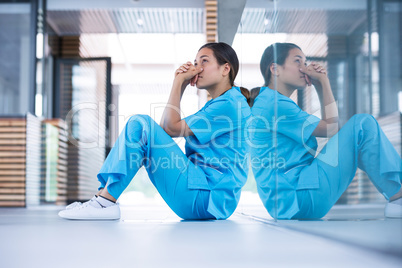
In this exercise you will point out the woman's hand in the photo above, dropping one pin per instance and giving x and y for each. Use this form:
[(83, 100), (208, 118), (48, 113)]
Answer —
[(315, 74), (189, 73), (171, 120)]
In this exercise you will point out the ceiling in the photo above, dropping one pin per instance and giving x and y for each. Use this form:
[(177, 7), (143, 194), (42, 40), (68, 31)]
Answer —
[(127, 20), (266, 4), (192, 20), (76, 17), (319, 18)]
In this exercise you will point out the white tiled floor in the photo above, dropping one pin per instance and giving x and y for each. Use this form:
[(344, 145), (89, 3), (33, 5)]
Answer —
[(152, 236)]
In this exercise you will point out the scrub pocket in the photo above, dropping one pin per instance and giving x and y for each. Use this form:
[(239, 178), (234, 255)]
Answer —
[(308, 177), (197, 180)]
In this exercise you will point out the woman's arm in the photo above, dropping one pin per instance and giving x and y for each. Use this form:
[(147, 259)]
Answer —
[(328, 125), (171, 119)]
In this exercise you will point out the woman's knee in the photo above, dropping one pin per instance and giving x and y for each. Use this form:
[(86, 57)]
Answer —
[(142, 118), (312, 205), (137, 130), (366, 121), (139, 121)]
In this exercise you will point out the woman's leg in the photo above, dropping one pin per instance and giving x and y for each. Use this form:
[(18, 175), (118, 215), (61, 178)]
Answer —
[(361, 143), (144, 142)]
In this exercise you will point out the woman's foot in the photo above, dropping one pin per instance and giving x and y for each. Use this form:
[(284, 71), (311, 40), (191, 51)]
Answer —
[(393, 209), (99, 208)]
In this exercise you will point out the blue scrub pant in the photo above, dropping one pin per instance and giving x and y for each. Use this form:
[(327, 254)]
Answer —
[(144, 143), (359, 144)]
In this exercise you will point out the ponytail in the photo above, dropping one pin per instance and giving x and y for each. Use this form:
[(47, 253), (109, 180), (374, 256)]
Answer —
[(253, 94), (246, 94)]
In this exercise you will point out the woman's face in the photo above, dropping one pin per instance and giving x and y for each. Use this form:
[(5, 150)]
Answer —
[(289, 73), (212, 73)]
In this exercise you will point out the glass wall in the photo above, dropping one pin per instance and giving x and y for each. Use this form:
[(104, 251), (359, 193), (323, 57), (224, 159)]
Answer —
[(16, 53), (359, 45), (358, 42)]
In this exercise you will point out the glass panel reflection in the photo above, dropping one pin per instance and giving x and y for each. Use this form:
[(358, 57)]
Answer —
[(347, 40), (14, 58)]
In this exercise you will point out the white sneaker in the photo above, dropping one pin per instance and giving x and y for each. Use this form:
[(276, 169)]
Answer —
[(91, 210), (76, 204), (393, 209)]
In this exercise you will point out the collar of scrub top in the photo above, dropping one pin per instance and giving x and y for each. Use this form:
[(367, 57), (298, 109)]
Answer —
[(211, 100), (265, 87), (237, 88)]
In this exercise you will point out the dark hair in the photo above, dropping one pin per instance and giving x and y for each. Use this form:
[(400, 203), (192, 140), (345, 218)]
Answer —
[(275, 53), (224, 53), (253, 94), (246, 93)]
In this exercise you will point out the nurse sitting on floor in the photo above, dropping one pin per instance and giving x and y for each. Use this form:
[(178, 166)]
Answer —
[(292, 183), (205, 182)]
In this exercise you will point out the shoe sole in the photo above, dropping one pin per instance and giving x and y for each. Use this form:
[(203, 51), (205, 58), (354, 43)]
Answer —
[(89, 219), (393, 211), (86, 218)]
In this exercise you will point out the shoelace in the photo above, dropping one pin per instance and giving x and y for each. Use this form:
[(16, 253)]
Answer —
[(72, 205), (86, 204), (77, 204)]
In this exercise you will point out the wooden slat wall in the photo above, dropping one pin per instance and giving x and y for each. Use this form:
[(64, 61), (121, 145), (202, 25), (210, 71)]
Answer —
[(64, 46), (22, 165), (70, 46), (12, 162), (211, 13), (211, 28)]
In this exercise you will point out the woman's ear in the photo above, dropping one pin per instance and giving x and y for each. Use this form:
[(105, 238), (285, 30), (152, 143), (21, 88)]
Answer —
[(274, 69), (226, 69)]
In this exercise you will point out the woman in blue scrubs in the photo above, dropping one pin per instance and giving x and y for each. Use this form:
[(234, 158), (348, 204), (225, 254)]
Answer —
[(291, 181), (205, 182)]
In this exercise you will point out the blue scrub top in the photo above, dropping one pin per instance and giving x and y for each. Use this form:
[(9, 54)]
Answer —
[(219, 148), (282, 151)]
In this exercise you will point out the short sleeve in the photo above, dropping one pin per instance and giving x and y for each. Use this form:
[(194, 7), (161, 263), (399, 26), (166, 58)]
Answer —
[(295, 123), (214, 120)]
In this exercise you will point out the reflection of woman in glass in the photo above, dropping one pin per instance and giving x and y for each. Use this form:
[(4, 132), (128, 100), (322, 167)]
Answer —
[(291, 182), (205, 182)]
